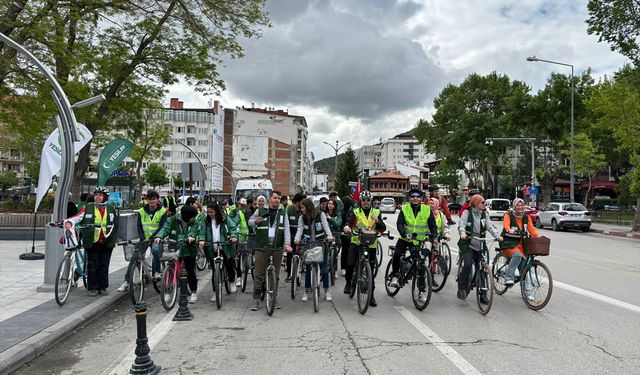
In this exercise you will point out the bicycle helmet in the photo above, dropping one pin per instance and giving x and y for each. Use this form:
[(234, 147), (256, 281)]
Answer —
[(474, 191), (365, 194), (433, 188), (101, 189)]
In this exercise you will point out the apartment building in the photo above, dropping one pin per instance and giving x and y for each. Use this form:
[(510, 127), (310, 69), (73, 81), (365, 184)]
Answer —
[(403, 148)]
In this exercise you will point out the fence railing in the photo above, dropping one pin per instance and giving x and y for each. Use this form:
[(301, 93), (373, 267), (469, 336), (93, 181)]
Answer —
[(615, 215)]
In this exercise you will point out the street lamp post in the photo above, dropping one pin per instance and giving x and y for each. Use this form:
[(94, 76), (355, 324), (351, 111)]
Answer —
[(335, 161), (571, 175), (489, 142), (233, 180)]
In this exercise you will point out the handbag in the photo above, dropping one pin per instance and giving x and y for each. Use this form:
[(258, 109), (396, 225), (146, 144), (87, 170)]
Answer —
[(313, 255)]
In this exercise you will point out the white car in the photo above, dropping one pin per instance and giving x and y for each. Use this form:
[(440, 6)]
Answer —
[(497, 207), (562, 215), (388, 205)]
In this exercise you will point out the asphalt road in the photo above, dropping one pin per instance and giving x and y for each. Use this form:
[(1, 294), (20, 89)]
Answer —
[(590, 326)]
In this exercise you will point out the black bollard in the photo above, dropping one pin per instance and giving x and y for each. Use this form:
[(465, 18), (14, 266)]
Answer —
[(183, 312), (143, 363)]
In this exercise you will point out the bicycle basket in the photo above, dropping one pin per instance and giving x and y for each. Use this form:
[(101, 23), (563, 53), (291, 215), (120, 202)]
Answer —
[(368, 237), (537, 246), (128, 250), (313, 255)]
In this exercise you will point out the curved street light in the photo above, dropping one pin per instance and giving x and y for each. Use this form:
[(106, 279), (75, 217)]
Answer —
[(335, 160), (204, 172)]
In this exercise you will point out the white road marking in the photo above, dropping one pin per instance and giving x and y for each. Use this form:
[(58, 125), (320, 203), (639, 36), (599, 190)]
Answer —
[(447, 350), (122, 366)]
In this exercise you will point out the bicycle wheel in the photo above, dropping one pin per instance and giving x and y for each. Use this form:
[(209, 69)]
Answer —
[(225, 281), (421, 286), (484, 289), (499, 271), (201, 260), (217, 282), (63, 280), (387, 280), (537, 278), (332, 266), (445, 251), (136, 282), (439, 272), (315, 286), (379, 254), (245, 265), (169, 287), (364, 286), (270, 292), (294, 275)]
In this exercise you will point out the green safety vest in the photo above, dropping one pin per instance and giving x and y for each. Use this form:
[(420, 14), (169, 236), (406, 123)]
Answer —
[(92, 216), (416, 224), (363, 221), (262, 230), (510, 241), (439, 221), (294, 216), (150, 225), (243, 228), (463, 245), (319, 231)]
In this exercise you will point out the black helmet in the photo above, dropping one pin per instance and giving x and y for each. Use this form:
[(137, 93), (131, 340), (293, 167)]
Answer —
[(434, 187), (416, 191)]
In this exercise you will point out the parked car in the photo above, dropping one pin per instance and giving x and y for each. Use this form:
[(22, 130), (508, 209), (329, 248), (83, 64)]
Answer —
[(388, 205), (562, 215), (497, 207), (532, 212)]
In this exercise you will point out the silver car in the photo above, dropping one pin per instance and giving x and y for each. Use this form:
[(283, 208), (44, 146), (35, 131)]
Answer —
[(562, 215), (388, 205)]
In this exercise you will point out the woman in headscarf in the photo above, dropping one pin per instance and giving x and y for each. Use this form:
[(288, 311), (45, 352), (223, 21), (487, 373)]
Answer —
[(441, 220), (514, 232)]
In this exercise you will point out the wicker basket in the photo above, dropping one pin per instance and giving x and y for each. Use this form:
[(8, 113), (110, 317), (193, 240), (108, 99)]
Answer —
[(537, 246)]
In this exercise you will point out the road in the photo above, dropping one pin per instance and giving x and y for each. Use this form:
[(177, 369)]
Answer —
[(590, 326)]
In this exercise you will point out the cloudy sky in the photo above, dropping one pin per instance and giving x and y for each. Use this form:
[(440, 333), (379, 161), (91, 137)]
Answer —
[(359, 70)]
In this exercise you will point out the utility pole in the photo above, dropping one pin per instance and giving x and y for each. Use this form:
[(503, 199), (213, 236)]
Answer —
[(335, 161)]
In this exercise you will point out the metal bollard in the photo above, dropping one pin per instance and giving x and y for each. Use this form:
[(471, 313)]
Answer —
[(143, 363), (183, 312)]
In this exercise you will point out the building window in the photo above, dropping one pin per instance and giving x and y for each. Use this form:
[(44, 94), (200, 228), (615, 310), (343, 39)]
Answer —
[(202, 142), (166, 154), (179, 129)]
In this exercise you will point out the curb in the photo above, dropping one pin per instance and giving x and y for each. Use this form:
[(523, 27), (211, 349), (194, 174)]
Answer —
[(16, 356), (632, 235)]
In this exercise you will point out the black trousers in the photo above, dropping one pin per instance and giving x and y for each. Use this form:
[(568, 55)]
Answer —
[(190, 266), (401, 247), (352, 260), (345, 241), (98, 260), (467, 257)]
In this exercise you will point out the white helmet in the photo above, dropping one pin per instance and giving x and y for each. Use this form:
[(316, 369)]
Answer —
[(365, 194)]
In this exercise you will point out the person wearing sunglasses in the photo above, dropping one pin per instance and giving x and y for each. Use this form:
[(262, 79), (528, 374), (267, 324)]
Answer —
[(365, 217), (415, 222), (474, 223)]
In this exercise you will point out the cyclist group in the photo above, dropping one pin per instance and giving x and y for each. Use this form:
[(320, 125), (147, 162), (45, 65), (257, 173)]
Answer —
[(259, 224)]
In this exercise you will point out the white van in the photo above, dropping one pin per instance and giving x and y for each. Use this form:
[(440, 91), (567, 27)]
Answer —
[(497, 207), (254, 187)]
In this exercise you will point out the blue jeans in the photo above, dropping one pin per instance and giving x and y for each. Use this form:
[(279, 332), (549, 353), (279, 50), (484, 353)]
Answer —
[(324, 271), (513, 264), (155, 252)]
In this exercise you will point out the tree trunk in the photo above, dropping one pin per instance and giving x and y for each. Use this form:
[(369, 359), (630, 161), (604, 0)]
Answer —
[(636, 221), (586, 196)]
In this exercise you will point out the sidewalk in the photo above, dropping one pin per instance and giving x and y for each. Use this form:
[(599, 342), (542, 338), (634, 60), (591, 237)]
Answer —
[(614, 230), (30, 321)]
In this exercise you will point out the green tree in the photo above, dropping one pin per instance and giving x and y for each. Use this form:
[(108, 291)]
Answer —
[(347, 171), (8, 180), (446, 175), (155, 175), (127, 50), (587, 159), (618, 23)]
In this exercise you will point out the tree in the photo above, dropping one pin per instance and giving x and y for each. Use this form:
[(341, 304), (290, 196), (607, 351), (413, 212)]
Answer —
[(155, 175), (347, 171), (446, 175), (127, 50), (8, 180), (587, 160), (618, 23)]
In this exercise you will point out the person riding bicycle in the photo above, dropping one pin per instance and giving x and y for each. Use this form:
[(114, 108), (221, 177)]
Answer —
[(272, 232), (434, 191), (334, 217), (236, 218), (97, 246), (363, 217), (293, 213), (182, 227), (514, 231), (441, 224), (215, 227), (474, 222), (314, 226), (415, 222), (151, 217)]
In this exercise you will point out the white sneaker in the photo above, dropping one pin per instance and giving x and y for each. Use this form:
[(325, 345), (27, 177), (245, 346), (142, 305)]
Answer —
[(157, 276), (531, 298), (193, 298), (213, 298), (327, 297), (394, 283), (233, 288), (344, 272), (238, 282), (124, 287), (305, 297)]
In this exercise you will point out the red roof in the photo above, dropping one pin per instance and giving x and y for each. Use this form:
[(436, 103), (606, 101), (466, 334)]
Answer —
[(389, 174)]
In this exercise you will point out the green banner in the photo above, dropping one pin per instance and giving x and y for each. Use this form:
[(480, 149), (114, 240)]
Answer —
[(111, 156)]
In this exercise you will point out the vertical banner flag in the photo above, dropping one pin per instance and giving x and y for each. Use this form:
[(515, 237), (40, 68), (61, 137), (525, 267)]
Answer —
[(51, 159), (111, 156)]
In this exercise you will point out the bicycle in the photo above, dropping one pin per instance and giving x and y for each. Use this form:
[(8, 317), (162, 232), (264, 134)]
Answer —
[(170, 274), (201, 260), (140, 268), (439, 263), (362, 280), (480, 278), (220, 276), (334, 250), (412, 267), (378, 259), (295, 270), (72, 267), (538, 286), (269, 290), (246, 265), (313, 257)]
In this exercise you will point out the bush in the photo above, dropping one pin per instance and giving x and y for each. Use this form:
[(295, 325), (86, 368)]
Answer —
[(27, 204)]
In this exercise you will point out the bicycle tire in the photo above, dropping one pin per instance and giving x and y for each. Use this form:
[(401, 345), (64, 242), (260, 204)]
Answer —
[(332, 266), (364, 286), (84, 267), (63, 280), (294, 275), (136, 282), (439, 272), (225, 281), (445, 251), (484, 282), (499, 271), (244, 270), (169, 287), (315, 286), (217, 282), (270, 297), (420, 267), (201, 260), (537, 280), (387, 280), (378, 254)]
